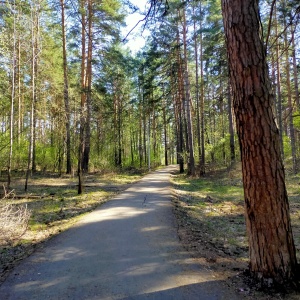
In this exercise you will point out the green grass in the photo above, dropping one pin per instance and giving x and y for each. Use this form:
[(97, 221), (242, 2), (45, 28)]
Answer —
[(55, 206), (215, 205), (54, 202)]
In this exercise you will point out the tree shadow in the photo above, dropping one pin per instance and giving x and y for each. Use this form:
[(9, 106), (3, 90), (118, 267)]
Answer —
[(127, 249)]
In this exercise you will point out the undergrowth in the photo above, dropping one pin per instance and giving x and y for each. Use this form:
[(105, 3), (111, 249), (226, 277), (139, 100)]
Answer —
[(215, 202)]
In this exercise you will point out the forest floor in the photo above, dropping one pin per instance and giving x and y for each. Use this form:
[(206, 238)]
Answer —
[(54, 206), (209, 211), (210, 214)]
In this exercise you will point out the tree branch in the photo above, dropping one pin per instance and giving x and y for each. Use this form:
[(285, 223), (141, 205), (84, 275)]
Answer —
[(270, 22)]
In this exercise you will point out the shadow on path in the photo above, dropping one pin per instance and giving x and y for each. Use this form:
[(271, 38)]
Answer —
[(126, 249)]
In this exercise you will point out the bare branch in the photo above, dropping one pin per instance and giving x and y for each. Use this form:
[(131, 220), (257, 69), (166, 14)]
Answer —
[(270, 22)]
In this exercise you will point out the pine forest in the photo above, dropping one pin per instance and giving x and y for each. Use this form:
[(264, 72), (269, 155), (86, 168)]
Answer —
[(203, 93), (71, 90)]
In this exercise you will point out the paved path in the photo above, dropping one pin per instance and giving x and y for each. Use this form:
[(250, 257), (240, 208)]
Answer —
[(126, 249)]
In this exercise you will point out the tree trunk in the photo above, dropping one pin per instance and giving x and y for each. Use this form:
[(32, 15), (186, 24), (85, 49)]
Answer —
[(271, 244), (88, 86), (35, 60), (20, 122), (230, 119), (279, 98), (290, 106), (12, 101), (197, 88), (30, 166), (202, 125), (191, 161), (179, 100), (289, 95), (295, 71), (66, 89), (120, 134), (140, 133), (83, 100), (165, 135)]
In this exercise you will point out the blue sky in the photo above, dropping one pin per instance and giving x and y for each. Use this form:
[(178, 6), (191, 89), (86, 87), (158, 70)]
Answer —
[(135, 40)]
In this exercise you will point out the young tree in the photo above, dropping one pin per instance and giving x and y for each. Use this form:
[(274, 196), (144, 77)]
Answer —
[(271, 244)]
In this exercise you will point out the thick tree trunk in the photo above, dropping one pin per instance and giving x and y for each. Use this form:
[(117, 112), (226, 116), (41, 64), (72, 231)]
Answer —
[(271, 244)]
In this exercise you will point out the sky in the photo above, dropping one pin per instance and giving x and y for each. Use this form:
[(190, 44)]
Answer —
[(135, 40)]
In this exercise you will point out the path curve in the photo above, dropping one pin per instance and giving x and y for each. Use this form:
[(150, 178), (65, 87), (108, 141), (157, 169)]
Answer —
[(126, 249)]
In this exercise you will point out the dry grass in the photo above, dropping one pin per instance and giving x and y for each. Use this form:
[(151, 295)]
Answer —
[(13, 222), (50, 206)]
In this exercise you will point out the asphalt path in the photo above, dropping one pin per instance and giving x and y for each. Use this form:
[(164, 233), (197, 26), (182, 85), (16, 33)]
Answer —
[(126, 249)]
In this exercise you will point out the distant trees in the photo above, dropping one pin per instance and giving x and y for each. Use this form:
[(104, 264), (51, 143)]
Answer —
[(189, 37), (213, 122), (76, 89), (42, 79)]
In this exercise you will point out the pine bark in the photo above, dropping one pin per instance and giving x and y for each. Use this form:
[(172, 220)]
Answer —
[(271, 244)]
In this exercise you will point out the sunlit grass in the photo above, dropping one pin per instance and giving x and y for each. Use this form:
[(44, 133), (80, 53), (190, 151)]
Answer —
[(55, 205), (215, 204)]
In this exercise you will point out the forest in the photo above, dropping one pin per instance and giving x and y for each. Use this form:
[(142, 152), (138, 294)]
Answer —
[(75, 99), (70, 87)]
